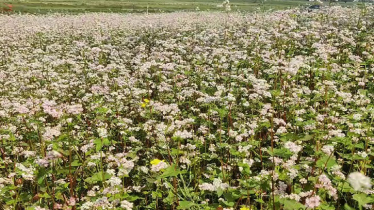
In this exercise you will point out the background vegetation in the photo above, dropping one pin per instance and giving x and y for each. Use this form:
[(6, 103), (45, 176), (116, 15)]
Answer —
[(140, 6)]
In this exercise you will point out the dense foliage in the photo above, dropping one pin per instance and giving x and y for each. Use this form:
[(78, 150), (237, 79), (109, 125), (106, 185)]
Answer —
[(187, 110)]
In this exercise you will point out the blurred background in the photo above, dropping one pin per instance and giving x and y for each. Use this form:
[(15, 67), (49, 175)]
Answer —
[(153, 6)]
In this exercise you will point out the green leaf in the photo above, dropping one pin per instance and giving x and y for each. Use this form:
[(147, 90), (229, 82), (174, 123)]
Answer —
[(99, 144), (326, 161), (288, 136), (63, 171), (97, 177), (185, 204), (291, 204), (59, 196), (221, 112), (275, 93), (219, 192), (306, 138), (106, 142), (230, 204), (362, 199), (246, 169), (360, 145), (41, 176), (76, 163), (362, 92), (45, 195), (347, 207), (326, 207), (171, 171), (11, 202), (232, 196), (345, 187), (102, 110), (156, 194), (176, 151), (170, 198), (282, 152), (12, 137)]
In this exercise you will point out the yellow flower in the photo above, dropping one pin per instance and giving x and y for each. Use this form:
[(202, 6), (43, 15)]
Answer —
[(146, 101), (245, 208), (156, 161)]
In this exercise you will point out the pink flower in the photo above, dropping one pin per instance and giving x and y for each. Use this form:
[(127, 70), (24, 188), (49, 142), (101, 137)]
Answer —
[(42, 162), (74, 109), (313, 202), (22, 110), (57, 206), (71, 201)]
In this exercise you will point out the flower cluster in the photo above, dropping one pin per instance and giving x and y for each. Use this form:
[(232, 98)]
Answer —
[(188, 110)]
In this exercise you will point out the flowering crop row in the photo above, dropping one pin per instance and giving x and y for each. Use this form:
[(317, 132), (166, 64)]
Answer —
[(187, 110)]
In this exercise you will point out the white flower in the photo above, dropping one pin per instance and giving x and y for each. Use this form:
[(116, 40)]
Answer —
[(50, 133), (161, 165), (88, 205), (362, 154), (144, 169), (111, 172), (303, 181), (53, 155), (293, 147), (328, 149), (359, 181), (357, 116), (217, 183), (249, 162), (114, 181), (183, 134), (126, 205), (28, 153), (281, 130), (42, 162), (27, 173), (207, 187), (103, 133)]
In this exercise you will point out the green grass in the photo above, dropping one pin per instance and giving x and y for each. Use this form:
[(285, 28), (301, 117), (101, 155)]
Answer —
[(140, 6)]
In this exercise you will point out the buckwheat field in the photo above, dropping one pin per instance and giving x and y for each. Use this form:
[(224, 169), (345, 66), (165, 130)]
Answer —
[(205, 110)]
